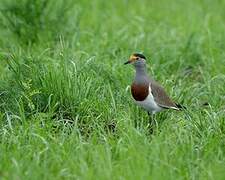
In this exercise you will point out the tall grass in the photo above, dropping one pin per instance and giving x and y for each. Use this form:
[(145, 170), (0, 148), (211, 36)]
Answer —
[(65, 107), (37, 20)]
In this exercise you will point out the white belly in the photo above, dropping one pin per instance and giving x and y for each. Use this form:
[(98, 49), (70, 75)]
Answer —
[(149, 104)]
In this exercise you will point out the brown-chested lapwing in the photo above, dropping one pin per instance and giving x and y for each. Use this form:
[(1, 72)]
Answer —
[(146, 92)]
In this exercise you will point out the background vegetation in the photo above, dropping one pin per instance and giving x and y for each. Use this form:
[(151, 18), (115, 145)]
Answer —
[(66, 111)]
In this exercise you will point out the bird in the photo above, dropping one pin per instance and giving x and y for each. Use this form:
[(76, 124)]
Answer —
[(146, 92)]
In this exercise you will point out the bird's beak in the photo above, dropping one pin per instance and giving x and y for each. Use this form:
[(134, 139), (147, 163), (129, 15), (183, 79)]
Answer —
[(128, 62)]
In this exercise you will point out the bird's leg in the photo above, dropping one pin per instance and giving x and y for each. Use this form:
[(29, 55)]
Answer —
[(152, 122), (155, 123), (150, 119)]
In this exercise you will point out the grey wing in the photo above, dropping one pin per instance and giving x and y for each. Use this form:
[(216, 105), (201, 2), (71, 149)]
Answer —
[(161, 98)]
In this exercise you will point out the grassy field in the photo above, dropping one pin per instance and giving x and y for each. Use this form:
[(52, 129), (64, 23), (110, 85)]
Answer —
[(65, 107)]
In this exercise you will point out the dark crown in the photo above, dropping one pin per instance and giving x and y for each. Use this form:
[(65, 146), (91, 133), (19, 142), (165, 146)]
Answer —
[(139, 55)]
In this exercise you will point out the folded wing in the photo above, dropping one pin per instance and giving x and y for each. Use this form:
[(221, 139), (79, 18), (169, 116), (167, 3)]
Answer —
[(161, 98)]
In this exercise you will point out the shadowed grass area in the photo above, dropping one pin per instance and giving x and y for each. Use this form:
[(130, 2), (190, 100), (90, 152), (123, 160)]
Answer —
[(65, 106)]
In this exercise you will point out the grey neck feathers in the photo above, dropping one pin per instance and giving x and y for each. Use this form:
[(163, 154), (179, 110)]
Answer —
[(141, 76)]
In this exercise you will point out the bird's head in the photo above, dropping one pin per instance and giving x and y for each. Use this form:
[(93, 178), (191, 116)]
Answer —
[(137, 60)]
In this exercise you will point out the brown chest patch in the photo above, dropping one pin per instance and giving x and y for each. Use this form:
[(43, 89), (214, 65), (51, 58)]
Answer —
[(139, 92)]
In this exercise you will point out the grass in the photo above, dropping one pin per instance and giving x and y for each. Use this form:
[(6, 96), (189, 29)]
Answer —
[(65, 107)]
